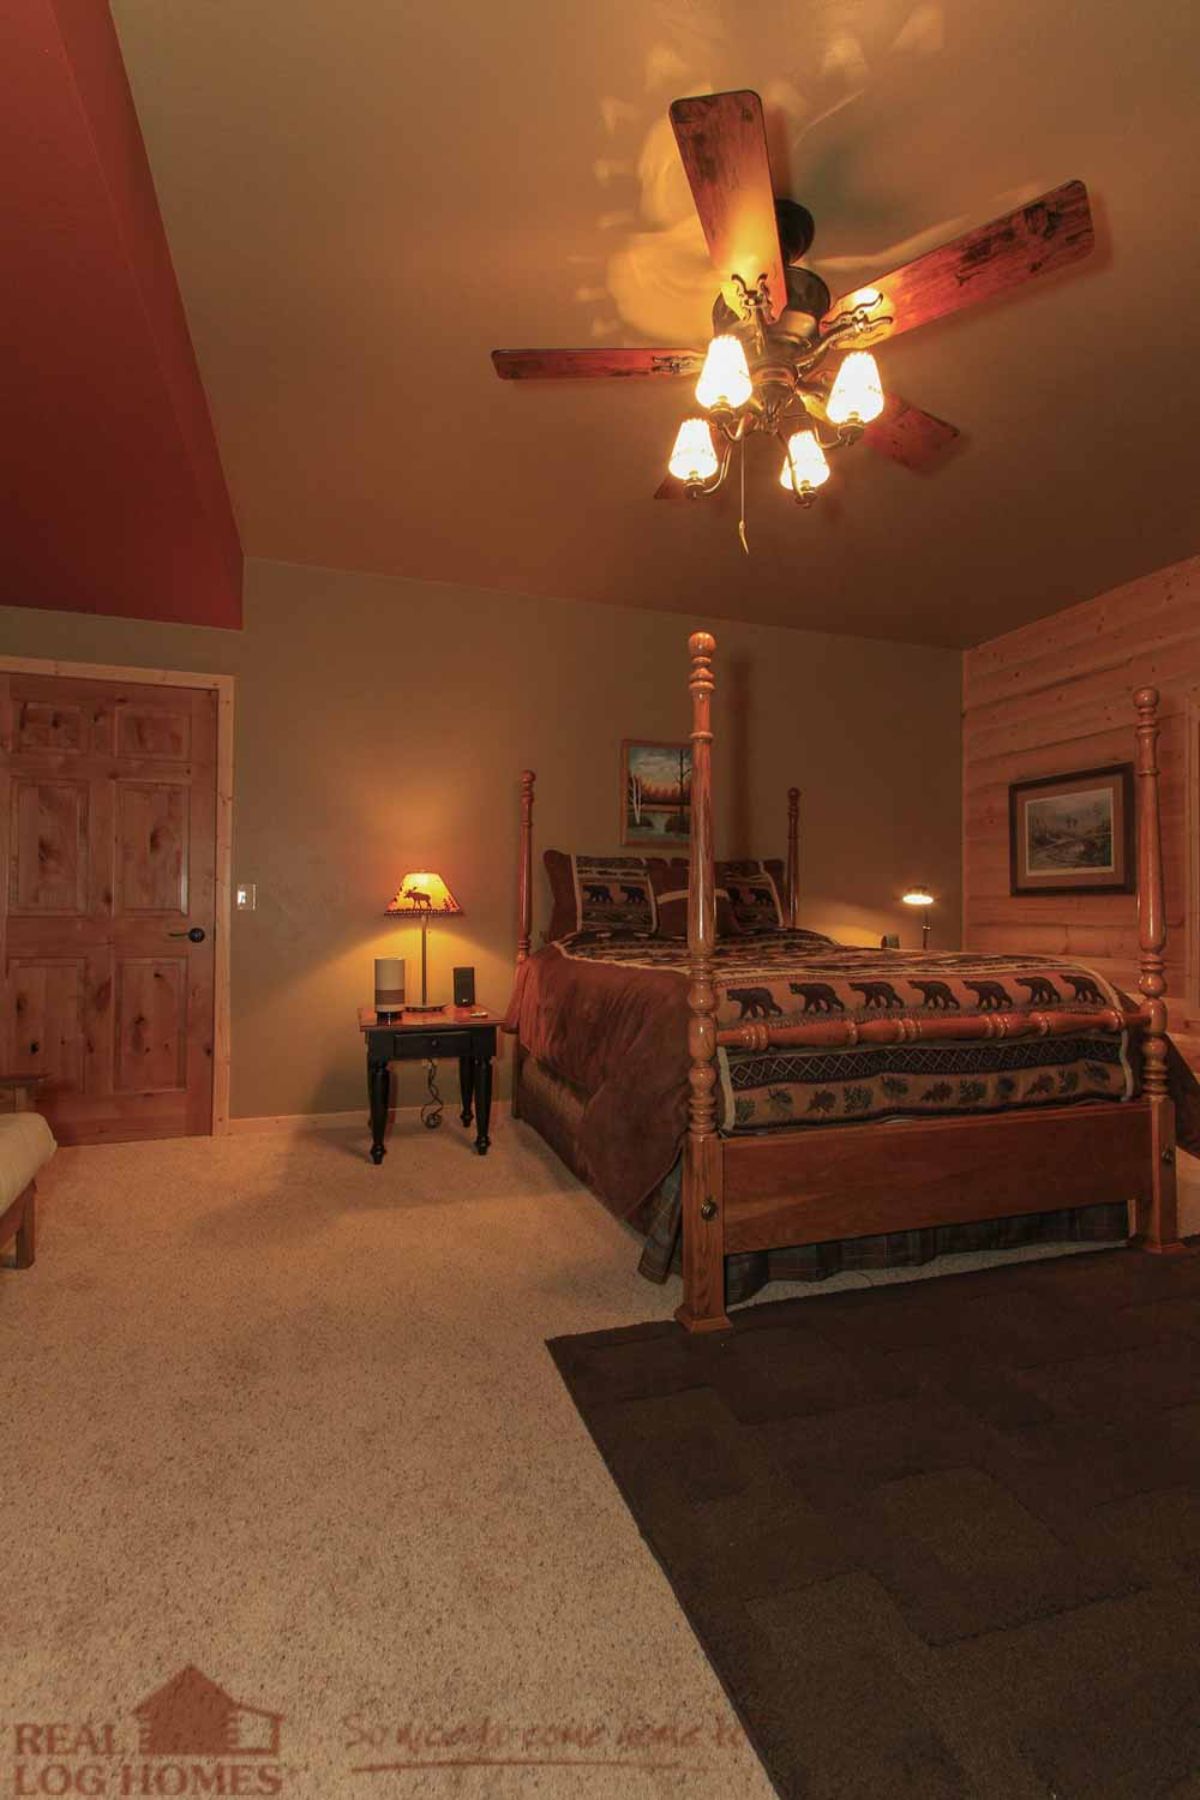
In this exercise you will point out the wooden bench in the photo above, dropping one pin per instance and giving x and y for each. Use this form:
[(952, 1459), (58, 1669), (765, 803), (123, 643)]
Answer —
[(26, 1145)]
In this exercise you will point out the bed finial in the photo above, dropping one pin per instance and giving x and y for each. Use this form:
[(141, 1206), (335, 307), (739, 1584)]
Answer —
[(793, 858), (701, 648), (1157, 1224), (525, 868)]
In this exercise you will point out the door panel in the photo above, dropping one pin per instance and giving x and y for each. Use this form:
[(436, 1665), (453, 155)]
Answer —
[(108, 830), (151, 1025), (152, 847), (49, 862), (43, 726), (47, 1001), (153, 731)]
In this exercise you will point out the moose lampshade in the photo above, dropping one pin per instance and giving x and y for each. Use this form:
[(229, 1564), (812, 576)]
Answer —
[(425, 896)]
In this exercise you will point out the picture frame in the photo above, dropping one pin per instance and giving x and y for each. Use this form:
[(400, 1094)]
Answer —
[(656, 792), (1073, 833)]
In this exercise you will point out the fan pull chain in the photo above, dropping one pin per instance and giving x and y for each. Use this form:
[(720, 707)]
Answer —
[(742, 520)]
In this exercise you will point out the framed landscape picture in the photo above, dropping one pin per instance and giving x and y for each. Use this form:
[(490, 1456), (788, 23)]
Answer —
[(1073, 834), (656, 793)]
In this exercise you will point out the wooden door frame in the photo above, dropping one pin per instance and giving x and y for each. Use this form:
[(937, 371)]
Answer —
[(223, 687)]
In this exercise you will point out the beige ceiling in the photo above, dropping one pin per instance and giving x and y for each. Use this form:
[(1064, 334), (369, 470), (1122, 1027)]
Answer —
[(363, 198)]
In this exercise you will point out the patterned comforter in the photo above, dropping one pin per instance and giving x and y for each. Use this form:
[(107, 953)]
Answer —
[(794, 977), (609, 1018)]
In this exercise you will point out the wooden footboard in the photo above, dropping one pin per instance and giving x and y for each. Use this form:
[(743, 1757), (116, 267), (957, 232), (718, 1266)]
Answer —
[(840, 1181), (856, 1180)]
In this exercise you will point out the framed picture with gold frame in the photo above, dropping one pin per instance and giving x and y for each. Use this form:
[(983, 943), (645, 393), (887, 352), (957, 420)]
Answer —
[(1073, 834), (656, 793)]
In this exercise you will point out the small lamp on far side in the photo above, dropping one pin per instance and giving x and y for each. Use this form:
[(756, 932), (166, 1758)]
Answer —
[(919, 895)]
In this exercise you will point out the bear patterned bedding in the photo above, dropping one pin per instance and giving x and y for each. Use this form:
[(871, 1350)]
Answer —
[(607, 1016)]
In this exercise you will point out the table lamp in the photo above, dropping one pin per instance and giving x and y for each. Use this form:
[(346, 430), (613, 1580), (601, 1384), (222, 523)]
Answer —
[(920, 896), (425, 896)]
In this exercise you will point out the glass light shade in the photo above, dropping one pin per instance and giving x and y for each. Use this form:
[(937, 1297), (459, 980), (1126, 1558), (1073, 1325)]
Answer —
[(917, 896), (856, 396), (725, 377), (807, 459), (693, 457), (423, 892)]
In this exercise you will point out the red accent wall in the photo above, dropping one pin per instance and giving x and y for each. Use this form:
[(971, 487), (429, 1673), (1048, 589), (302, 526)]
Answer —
[(112, 497)]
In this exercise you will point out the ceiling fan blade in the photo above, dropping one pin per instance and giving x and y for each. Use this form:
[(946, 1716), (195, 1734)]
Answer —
[(914, 438), (1045, 235), (572, 365), (723, 144)]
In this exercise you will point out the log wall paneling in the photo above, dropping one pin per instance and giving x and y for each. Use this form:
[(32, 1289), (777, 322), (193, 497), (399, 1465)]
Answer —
[(1057, 695)]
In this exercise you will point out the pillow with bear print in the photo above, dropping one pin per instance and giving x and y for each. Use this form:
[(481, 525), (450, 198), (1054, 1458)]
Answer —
[(611, 895), (754, 888)]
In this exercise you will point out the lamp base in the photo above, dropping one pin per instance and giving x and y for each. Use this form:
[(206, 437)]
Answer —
[(427, 1006)]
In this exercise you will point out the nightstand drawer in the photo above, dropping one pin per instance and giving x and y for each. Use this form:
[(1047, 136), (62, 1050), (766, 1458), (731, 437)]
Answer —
[(432, 1043)]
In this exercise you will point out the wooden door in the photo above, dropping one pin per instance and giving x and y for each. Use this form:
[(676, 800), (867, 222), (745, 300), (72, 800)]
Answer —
[(107, 862)]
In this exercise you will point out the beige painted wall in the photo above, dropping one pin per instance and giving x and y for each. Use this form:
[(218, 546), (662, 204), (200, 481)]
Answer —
[(381, 725)]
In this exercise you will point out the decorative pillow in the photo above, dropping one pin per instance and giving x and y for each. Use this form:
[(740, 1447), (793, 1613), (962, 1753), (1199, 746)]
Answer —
[(754, 890), (670, 883), (605, 894)]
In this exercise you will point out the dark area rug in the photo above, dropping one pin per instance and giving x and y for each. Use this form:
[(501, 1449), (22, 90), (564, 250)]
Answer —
[(938, 1538)]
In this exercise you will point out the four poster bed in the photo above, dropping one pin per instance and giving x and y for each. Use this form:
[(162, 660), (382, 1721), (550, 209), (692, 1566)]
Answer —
[(777, 1089)]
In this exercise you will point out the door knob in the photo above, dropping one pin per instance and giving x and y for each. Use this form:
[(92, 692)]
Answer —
[(194, 936)]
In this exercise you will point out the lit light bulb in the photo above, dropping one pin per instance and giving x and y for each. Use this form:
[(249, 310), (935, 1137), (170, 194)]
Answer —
[(804, 466), (856, 396), (693, 457), (725, 377)]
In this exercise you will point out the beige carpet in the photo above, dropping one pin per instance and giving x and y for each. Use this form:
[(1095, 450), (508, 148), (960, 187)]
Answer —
[(257, 1423)]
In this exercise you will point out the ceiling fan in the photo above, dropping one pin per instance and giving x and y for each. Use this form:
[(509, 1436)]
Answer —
[(785, 359)]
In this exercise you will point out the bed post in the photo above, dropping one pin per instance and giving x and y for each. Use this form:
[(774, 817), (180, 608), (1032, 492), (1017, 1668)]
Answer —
[(524, 912), (793, 859), (703, 1306), (1157, 1226)]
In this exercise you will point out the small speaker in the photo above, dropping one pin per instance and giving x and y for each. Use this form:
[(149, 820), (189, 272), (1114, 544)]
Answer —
[(389, 985), (464, 987)]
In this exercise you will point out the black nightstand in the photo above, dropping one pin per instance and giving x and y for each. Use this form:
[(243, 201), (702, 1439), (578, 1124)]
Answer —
[(422, 1037)]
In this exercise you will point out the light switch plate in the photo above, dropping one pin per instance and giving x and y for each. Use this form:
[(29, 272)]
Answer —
[(245, 896)]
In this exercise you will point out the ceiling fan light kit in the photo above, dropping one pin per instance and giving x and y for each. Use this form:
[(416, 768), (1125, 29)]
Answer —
[(765, 370), (805, 468), (693, 458), (724, 382)]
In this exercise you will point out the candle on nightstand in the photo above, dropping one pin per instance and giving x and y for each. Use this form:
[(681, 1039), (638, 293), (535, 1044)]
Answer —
[(389, 984)]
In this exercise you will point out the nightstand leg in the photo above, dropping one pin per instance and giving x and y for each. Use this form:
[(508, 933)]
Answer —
[(483, 1103), (379, 1092), (466, 1085)]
